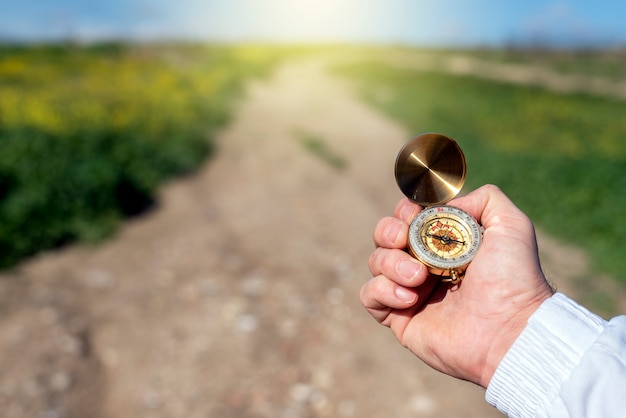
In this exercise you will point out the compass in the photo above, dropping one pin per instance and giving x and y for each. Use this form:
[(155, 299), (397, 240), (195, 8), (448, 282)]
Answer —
[(430, 170)]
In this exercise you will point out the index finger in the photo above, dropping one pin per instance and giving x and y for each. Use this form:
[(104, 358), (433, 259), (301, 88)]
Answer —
[(407, 210), (392, 232)]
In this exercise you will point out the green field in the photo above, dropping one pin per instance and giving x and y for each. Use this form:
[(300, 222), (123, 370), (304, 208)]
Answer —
[(87, 134), (561, 157)]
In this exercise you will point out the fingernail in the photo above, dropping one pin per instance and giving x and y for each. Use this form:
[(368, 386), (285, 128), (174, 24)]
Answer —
[(405, 295), (392, 233), (409, 269)]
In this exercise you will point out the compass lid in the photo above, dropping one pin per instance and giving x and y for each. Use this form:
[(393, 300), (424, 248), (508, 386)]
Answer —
[(430, 169)]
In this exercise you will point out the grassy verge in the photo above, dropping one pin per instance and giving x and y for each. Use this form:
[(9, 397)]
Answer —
[(87, 134), (561, 158)]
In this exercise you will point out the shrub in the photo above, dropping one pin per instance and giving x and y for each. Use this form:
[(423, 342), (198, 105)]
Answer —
[(88, 134)]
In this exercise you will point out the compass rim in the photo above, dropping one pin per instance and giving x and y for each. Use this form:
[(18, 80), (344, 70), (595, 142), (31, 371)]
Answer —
[(426, 256)]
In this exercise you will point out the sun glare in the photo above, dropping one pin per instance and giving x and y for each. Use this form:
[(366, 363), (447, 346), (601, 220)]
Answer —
[(317, 7), (313, 20), (316, 19)]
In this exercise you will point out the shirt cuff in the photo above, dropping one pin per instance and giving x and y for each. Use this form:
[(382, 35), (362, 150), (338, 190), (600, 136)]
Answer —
[(530, 375)]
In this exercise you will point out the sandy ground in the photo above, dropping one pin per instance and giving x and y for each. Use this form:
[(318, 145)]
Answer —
[(238, 295)]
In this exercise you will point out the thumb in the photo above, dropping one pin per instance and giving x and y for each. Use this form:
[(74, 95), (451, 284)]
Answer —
[(490, 207)]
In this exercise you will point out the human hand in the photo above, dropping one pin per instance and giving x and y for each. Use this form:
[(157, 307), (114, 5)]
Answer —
[(462, 330)]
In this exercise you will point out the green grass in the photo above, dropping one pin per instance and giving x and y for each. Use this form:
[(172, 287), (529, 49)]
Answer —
[(561, 158), (87, 134)]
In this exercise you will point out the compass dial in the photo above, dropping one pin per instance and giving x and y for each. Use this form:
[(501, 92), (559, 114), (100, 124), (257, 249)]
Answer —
[(446, 239)]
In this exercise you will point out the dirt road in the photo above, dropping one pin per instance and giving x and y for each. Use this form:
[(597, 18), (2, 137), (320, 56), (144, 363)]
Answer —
[(238, 295)]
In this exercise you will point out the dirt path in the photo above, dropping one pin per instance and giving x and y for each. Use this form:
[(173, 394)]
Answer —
[(238, 296)]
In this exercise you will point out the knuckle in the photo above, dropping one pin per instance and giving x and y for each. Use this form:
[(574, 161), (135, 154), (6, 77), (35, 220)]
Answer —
[(372, 260), (371, 291), (387, 263), (378, 285), (381, 227), (372, 256), (376, 260), (491, 188)]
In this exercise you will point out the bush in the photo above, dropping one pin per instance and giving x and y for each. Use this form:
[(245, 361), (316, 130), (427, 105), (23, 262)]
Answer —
[(88, 134)]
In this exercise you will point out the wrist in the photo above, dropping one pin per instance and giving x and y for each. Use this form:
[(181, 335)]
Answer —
[(505, 336), (532, 372)]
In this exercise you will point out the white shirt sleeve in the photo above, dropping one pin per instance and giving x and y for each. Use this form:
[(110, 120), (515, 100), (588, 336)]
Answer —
[(568, 362)]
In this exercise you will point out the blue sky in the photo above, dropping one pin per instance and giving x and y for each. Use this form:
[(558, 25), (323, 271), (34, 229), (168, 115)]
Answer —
[(432, 22)]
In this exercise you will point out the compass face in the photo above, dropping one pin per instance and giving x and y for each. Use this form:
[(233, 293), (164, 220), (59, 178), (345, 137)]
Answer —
[(444, 238)]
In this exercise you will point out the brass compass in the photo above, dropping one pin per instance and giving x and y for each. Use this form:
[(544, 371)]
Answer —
[(430, 170)]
